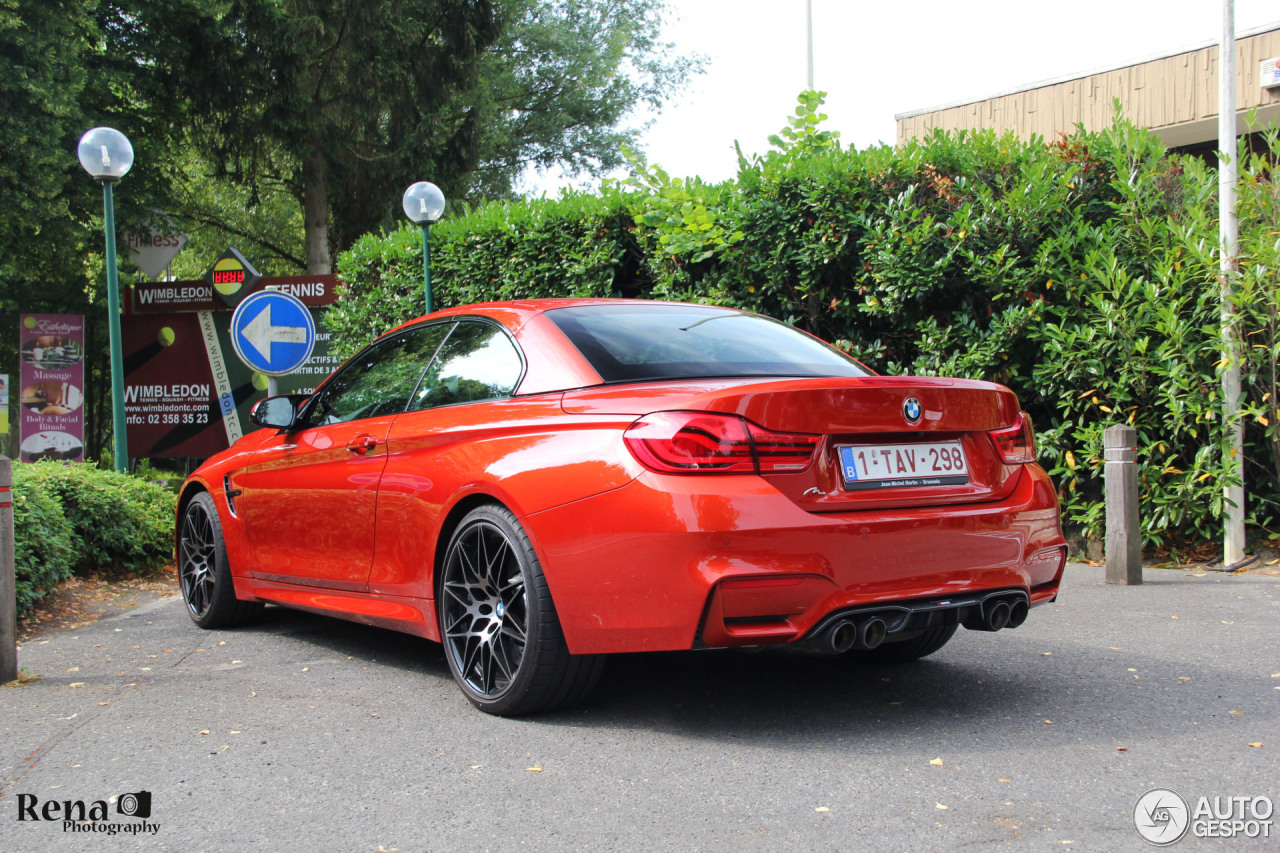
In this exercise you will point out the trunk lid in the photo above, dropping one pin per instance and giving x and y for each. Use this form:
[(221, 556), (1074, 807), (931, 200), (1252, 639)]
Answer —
[(898, 461)]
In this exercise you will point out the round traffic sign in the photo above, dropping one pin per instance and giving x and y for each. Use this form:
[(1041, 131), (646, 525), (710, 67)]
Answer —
[(273, 332)]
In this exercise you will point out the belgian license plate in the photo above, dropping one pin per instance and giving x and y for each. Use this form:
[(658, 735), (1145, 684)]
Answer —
[(893, 466)]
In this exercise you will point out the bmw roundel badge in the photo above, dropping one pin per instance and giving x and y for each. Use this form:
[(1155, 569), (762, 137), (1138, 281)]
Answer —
[(911, 410)]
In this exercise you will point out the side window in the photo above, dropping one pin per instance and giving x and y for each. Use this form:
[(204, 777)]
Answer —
[(477, 362), (380, 381)]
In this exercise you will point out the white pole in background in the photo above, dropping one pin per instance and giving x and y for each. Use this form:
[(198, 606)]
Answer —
[(808, 9), (1229, 241)]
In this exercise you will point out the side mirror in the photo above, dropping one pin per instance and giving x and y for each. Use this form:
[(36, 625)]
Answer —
[(277, 412)]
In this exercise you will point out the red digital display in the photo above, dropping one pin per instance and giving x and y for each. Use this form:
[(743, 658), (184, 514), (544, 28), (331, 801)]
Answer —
[(228, 276)]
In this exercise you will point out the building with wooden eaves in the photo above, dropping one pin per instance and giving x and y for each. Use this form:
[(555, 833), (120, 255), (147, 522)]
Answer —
[(1174, 94)]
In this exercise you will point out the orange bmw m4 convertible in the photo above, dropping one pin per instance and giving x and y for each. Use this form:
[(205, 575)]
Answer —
[(539, 484)]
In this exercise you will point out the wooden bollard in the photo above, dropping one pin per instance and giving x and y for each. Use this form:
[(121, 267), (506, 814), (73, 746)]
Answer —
[(1124, 535)]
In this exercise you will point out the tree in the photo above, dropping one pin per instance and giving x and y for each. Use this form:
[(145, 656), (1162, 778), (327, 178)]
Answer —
[(263, 220), (345, 102), (43, 46), (70, 65), (338, 99), (560, 83)]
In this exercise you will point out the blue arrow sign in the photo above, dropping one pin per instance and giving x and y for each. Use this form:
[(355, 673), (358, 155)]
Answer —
[(273, 332)]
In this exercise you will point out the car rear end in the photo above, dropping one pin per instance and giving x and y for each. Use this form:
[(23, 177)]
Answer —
[(825, 505)]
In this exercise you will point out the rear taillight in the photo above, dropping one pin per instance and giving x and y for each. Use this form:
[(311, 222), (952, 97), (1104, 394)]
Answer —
[(701, 443), (1015, 445)]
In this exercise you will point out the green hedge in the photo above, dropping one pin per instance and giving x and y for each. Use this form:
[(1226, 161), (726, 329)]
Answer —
[(44, 548), (72, 518), (1081, 272)]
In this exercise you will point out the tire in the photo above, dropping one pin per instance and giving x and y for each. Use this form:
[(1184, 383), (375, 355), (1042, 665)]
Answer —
[(501, 636), (905, 651), (203, 571)]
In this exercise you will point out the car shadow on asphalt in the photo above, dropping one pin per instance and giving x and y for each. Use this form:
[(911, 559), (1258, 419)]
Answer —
[(353, 639), (1038, 689)]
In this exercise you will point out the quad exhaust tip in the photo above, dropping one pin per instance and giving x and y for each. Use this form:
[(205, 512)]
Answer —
[(843, 636), (1017, 613), (873, 632), (995, 614), (847, 634)]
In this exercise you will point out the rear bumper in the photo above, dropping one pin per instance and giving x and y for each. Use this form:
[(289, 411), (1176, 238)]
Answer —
[(670, 562)]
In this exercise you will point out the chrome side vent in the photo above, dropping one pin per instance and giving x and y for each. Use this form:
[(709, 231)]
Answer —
[(232, 494)]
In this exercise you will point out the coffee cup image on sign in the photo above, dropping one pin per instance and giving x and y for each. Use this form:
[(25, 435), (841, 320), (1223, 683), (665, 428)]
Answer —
[(135, 804), (50, 397), (51, 352), (51, 445)]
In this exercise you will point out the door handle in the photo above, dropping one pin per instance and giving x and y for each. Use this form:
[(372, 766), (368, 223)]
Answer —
[(362, 444)]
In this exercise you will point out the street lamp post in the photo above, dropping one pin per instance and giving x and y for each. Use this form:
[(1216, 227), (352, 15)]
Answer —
[(105, 153), (424, 203)]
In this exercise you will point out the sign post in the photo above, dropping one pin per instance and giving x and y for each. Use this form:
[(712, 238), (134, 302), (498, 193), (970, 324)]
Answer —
[(4, 413), (272, 333), (8, 580)]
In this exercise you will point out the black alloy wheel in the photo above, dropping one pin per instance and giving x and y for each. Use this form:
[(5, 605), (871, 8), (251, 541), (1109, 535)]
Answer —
[(197, 557), (486, 609), (501, 635), (203, 572)]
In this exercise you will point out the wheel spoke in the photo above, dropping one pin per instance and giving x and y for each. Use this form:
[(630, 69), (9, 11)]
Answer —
[(503, 656), (513, 631), (468, 551), (472, 655), (495, 562), (454, 631), (459, 593), (200, 593), (487, 666), (481, 556)]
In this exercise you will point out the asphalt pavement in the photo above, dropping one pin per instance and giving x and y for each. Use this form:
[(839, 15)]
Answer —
[(311, 734)]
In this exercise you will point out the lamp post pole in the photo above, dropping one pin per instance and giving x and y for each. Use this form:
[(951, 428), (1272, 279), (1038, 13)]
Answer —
[(107, 155), (121, 452), (423, 203), (426, 261)]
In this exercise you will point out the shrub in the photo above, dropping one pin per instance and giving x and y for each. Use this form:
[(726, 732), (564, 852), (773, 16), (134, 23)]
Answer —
[(44, 547), (117, 521)]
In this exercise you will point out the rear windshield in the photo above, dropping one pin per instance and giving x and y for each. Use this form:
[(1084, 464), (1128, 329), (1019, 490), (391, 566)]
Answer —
[(630, 343)]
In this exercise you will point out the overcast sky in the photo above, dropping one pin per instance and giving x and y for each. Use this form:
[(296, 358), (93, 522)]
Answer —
[(882, 57)]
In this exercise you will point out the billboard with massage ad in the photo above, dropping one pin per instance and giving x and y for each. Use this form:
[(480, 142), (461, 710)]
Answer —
[(50, 389)]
